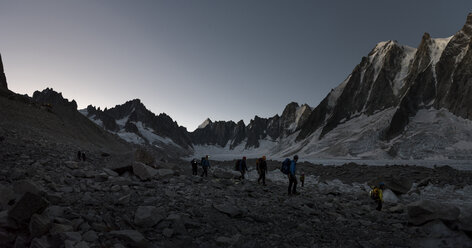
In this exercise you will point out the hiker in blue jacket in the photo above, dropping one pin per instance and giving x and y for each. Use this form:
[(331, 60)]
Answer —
[(205, 165), (292, 179)]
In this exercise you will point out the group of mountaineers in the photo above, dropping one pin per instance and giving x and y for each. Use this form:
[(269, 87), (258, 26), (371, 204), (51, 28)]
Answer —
[(288, 167)]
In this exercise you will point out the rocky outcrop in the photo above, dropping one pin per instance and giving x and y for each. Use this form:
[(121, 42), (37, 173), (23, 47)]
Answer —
[(423, 211), (53, 99), (3, 78)]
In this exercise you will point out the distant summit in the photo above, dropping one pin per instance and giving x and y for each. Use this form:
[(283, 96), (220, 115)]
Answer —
[(133, 122)]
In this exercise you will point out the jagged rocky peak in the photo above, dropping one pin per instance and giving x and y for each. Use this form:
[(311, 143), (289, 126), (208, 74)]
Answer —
[(205, 123), (468, 25), (294, 116), (49, 96), (3, 78)]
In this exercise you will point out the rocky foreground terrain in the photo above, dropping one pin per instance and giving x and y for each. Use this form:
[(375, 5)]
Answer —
[(50, 199)]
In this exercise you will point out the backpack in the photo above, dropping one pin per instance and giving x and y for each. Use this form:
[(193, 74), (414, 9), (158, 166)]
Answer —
[(285, 166), (236, 165), (374, 193)]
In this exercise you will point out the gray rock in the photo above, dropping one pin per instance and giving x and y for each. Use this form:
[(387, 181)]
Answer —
[(165, 172), (102, 177), (82, 244), (124, 200), (148, 216), (110, 172), (90, 236), (6, 196), (60, 228), (143, 171), (167, 232), (228, 209), (71, 164), (39, 225), (133, 236), (23, 186), (115, 188), (40, 243), (425, 210), (73, 236), (28, 205)]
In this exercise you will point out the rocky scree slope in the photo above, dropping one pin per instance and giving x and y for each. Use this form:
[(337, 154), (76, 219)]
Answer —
[(50, 200)]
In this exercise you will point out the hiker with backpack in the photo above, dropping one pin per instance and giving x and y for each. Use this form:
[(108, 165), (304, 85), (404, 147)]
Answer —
[(242, 168), (262, 170), (194, 164), (377, 195), (289, 167), (205, 165)]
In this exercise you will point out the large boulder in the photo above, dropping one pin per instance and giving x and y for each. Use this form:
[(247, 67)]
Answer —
[(39, 225), (229, 209), (399, 185), (147, 216), (28, 205), (143, 171), (7, 197), (135, 238), (144, 157), (422, 211)]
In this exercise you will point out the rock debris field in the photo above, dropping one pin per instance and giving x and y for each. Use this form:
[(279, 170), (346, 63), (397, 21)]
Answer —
[(49, 199)]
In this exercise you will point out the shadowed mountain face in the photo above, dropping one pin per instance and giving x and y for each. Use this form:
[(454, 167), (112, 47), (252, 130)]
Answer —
[(3, 79), (436, 74)]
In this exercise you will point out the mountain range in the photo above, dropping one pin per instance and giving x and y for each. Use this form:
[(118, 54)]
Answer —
[(399, 102)]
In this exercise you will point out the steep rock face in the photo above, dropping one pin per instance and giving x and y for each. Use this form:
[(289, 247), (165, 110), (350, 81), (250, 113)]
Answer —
[(439, 77), (372, 85), (215, 133), (229, 133), (3, 78), (134, 117), (54, 99)]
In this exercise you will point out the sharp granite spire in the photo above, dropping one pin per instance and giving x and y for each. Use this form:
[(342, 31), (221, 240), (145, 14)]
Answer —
[(3, 79)]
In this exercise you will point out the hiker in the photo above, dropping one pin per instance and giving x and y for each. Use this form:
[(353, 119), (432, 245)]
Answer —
[(302, 178), (79, 155), (83, 156), (292, 179), (194, 166), (377, 195), (262, 170), (242, 168), (205, 165)]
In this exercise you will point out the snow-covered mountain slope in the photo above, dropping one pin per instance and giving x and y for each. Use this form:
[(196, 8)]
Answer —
[(398, 103), (134, 123)]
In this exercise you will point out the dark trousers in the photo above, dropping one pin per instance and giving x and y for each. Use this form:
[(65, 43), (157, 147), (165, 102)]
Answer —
[(292, 180), (242, 174), (205, 171), (262, 177), (194, 170), (379, 204)]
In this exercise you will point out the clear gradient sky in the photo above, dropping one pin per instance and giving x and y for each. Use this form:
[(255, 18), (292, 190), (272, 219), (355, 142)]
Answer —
[(226, 60)]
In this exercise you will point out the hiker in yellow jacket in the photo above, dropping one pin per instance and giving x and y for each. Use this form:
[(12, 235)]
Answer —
[(377, 195)]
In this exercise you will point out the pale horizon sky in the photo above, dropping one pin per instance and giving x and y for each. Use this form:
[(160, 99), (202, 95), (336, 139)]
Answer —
[(223, 60)]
